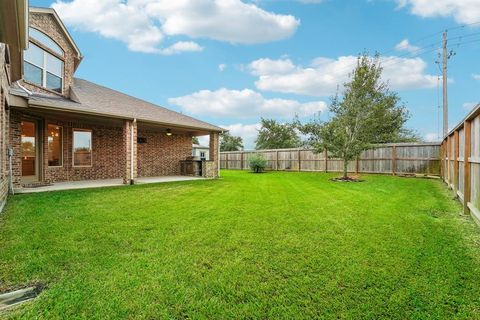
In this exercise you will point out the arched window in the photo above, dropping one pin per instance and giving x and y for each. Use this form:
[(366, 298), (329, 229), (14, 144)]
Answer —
[(42, 67), (45, 40)]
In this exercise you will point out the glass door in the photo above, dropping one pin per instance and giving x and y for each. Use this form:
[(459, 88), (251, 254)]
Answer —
[(29, 151)]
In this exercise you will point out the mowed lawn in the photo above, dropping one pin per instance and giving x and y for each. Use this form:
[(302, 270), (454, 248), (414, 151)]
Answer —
[(271, 246)]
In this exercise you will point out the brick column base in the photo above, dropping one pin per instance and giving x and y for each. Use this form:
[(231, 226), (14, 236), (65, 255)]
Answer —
[(212, 167), (130, 151)]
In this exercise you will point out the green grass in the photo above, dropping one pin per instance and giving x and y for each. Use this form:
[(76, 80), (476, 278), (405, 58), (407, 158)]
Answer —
[(274, 245)]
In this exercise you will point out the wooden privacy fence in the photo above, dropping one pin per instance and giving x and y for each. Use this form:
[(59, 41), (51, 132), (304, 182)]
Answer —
[(461, 162), (400, 158)]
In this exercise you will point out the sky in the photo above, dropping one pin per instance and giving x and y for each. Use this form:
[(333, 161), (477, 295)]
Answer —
[(231, 62)]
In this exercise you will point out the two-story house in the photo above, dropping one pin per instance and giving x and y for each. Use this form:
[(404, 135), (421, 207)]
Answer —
[(62, 128)]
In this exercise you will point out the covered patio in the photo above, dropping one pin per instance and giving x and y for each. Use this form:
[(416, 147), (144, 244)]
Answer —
[(55, 148), (101, 183)]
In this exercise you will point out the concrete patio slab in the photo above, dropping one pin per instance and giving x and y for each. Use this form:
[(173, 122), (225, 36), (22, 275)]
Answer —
[(87, 184)]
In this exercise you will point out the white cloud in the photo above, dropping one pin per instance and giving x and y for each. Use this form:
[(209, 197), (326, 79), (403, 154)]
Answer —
[(432, 137), (463, 11), (405, 45), (112, 19), (222, 67), (268, 66), (244, 103), (469, 105), (182, 46), (142, 24), (476, 76), (324, 75), (248, 132)]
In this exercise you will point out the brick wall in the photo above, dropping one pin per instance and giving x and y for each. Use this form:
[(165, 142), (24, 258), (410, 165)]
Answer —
[(4, 127), (108, 156), (14, 140), (161, 154), (48, 25), (3, 150)]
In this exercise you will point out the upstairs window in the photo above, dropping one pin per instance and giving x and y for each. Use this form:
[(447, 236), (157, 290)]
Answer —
[(42, 67), (45, 40)]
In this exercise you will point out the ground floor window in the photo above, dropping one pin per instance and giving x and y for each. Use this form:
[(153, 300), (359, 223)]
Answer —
[(82, 148), (29, 148), (55, 149)]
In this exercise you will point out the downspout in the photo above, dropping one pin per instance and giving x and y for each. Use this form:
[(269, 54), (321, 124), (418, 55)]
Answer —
[(10, 169), (131, 150), (23, 88)]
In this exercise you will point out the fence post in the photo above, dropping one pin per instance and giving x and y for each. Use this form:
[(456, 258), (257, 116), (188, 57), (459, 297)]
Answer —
[(394, 159), (299, 161), (455, 162), (326, 160), (467, 182), (276, 160), (241, 161), (357, 165), (226, 161), (441, 161), (448, 161)]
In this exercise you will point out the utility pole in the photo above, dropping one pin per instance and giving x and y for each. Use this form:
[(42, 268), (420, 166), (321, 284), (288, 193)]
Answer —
[(445, 94), (446, 55)]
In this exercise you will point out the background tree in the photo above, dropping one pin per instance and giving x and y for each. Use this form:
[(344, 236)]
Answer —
[(230, 143), (367, 113), (195, 140), (275, 135)]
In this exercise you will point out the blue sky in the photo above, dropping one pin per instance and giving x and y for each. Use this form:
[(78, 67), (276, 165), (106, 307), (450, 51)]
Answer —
[(231, 62)]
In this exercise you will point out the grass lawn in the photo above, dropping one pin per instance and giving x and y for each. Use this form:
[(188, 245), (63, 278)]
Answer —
[(275, 245)]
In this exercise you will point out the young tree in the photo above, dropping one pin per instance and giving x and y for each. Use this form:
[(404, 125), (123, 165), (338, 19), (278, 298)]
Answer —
[(195, 140), (275, 135), (230, 143), (366, 114)]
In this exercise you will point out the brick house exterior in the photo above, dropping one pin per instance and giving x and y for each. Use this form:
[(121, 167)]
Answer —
[(13, 40), (61, 128), (4, 125)]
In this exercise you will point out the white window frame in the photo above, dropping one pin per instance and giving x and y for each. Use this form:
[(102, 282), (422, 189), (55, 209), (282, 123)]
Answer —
[(73, 148), (60, 51), (61, 146), (44, 69)]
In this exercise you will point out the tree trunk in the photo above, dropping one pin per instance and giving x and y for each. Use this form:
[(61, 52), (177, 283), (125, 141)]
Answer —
[(345, 168)]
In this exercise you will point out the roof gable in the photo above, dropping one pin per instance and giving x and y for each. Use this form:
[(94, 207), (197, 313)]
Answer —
[(59, 21)]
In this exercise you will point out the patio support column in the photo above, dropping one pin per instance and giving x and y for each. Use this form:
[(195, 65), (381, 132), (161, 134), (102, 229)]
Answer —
[(215, 154), (130, 147)]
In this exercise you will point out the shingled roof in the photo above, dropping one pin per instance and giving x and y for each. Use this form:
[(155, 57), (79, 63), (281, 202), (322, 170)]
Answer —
[(91, 98)]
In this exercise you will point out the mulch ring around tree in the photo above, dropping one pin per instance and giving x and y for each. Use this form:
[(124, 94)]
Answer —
[(347, 179)]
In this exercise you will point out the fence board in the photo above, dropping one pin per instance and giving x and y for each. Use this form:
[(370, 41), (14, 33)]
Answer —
[(460, 168), (407, 158)]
